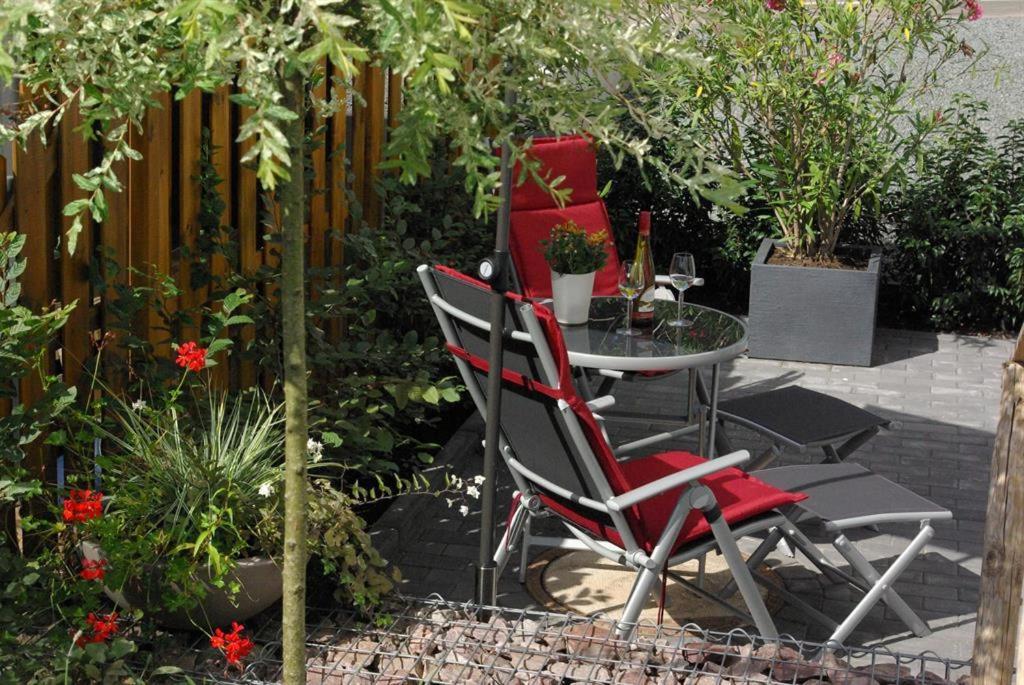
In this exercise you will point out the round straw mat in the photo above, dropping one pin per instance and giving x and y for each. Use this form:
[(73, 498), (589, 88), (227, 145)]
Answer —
[(586, 583)]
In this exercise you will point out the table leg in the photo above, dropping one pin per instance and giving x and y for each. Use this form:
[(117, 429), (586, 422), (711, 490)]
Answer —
[(691, 395), (713, 412)]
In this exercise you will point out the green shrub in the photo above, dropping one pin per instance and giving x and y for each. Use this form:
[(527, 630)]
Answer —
[(956, 261)]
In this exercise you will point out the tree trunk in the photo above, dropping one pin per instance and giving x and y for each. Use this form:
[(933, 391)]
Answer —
[(996, 640), (293, 320)]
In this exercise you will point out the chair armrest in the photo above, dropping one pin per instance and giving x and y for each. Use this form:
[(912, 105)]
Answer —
[(663, 279), (599, 403), (654, 488)]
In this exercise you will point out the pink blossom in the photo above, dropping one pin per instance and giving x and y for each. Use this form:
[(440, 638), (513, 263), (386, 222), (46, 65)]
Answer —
[(973, 8)]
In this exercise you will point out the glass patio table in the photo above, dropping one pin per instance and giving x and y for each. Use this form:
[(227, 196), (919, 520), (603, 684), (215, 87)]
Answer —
[(711, 338)]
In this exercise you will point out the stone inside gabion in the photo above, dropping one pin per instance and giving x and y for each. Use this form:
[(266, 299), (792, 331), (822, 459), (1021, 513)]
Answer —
[(444, 646)]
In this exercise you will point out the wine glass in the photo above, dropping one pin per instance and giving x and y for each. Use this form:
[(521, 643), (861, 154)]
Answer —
[(631, 284), (681, 274)]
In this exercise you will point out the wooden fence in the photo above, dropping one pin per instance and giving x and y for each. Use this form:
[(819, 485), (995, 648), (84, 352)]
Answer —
[(155, 220)]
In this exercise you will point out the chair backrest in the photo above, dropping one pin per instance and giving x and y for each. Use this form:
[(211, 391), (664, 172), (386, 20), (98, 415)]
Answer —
[(548, 427), (535, 212)]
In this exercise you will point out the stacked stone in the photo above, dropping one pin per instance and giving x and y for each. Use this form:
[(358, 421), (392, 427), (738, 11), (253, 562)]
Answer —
[(446, 647)]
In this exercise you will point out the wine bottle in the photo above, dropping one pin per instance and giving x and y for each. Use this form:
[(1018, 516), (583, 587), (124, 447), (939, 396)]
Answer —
[(643, 313)]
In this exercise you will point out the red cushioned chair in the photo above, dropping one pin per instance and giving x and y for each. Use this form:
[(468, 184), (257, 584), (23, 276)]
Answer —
[(652, 512), (659, 510), (535, 212)]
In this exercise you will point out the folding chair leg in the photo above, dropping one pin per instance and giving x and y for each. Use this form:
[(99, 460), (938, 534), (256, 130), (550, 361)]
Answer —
[(755, 559), (881, 589), (741, 574), (643, 585), (862, 566), (512, 532), (524, 553)]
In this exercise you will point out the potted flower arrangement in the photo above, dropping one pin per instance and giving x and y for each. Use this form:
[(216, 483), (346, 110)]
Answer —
[(574, 257), (190, 530), (814, 105)]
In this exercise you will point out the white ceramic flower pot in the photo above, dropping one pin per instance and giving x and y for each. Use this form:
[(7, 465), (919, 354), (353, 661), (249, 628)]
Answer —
[(571, 295)]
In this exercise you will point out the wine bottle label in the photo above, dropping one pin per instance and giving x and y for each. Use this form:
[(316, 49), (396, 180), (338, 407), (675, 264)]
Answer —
[(645, 303)]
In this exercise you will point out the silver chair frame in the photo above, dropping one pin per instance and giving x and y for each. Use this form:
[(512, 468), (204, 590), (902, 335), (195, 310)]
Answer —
[(777, 527)]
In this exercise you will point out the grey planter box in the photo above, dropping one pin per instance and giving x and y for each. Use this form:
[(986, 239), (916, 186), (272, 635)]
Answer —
[(813, 314)]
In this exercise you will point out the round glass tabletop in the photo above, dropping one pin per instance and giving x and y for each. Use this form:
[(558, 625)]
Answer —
[(711, 337)]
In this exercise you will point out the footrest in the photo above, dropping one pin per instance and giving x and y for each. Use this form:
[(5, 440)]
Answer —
[(848, 496), (800, 416)]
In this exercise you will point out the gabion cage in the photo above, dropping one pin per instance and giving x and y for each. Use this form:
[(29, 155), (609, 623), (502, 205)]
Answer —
[(434, 641)]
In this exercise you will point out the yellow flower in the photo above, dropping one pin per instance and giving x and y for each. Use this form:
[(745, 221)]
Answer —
[(906, 33), (700, 89)]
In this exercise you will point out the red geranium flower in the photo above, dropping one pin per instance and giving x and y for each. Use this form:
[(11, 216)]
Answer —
[(102, 629), (234, 645), (82, 505), (973, 10), (93, 569), (775, 5), (191, 356)]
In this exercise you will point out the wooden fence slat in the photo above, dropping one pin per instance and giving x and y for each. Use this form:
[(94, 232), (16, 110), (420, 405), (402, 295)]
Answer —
[(150, 214), (190, 136), (75, 159), (248, 225), (337, 180), (6, 225), (34, 216), (394, 98), (115, 241), (221, 137), (375, 124), (1002, 572), (359, 132)]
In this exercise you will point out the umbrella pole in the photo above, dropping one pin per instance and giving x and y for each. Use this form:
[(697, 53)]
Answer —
[(496, 271)]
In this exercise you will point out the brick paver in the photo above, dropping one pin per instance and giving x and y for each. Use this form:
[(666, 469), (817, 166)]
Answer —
[(944, 389)]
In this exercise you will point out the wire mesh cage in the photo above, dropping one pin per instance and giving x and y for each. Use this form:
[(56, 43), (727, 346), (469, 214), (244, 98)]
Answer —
[(435, 641)]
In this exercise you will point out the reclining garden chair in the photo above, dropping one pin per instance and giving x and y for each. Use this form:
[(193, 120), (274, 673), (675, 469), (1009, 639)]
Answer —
[(790, 418), (653, 512)]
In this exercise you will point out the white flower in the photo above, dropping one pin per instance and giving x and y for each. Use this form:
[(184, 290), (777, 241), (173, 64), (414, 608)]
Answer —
[(464, 510), (473, 491), (451, 502), (315, 449), (266, 490), (479, 480), (139, 405)]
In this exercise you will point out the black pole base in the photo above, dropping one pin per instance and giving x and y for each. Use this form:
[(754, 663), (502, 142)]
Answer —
[(487, 585)]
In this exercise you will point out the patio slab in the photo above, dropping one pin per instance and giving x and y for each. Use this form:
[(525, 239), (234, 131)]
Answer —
[(944, 389)]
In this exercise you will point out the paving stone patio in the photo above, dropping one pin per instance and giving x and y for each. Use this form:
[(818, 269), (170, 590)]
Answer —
[(944, 389)]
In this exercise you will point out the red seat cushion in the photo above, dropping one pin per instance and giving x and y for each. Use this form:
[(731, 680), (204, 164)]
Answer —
[(570, 156), (740, 496), (529, 227)]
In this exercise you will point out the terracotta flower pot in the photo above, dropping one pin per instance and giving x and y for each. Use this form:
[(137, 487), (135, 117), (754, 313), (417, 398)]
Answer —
[(259, 579), (570, 294)]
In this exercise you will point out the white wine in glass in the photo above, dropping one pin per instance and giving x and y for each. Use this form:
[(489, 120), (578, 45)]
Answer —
[(681, 274), (631, 284)]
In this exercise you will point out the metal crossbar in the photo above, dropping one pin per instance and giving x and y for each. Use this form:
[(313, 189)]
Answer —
[(432, 640)]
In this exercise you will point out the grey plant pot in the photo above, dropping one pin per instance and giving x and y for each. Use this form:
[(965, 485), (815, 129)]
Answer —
[(811, 314), (259, 578)]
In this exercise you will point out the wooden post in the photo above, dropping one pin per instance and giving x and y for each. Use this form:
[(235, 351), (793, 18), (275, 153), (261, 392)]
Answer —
[(997, 635)]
